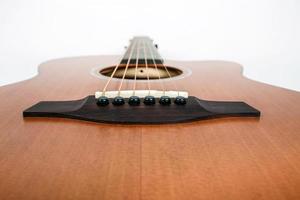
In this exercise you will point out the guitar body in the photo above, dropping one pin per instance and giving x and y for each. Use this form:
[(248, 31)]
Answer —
[(225, 158)]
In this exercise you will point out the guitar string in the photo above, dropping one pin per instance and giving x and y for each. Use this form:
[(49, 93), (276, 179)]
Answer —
[(126, 68), (146, 63), (166, 69), (113, 73), (136, 66), (156, 68)]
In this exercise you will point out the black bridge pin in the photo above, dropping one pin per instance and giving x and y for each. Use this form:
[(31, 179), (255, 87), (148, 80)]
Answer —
[(134, 101), (165, 100), (179, 100), (102, 101), (118, 101), (149, 100)]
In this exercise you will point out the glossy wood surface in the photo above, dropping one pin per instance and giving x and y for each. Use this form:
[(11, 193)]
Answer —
[(233, 158)]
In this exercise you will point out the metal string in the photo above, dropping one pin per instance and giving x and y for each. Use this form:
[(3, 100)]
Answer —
[(128, 62), (113, 73), (157, 72), (136, 66), (174, 83), (146, 63)]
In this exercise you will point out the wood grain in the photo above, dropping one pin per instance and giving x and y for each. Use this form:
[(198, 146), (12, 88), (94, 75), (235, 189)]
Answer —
[(234, 158)]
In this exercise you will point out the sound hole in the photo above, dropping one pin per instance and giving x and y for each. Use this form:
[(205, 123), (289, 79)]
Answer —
[(142, 72)]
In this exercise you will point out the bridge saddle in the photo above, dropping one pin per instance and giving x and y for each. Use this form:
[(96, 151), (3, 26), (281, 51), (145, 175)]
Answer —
[(141, 93)]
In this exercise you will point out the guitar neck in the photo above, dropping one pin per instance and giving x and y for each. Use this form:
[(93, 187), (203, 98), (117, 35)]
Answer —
[(143, 50)]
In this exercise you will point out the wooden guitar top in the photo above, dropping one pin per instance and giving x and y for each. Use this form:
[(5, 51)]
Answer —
[(228, 158)]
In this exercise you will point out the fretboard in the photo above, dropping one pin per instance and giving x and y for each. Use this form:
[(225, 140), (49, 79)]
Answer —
[(142, 48)]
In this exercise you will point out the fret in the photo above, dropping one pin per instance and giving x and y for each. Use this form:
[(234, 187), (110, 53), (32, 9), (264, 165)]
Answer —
[(149, 46)]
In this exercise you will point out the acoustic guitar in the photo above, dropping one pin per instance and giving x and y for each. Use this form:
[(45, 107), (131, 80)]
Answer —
[(138, 126)]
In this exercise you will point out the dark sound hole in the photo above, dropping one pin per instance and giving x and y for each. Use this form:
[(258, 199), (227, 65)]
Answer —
[(142, 72)]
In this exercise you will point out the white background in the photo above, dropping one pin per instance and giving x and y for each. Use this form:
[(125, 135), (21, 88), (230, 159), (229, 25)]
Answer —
[(262, 35)]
